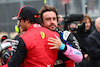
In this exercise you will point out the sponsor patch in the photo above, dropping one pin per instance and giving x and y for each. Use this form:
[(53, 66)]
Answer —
[(65, 35), (77, 53)]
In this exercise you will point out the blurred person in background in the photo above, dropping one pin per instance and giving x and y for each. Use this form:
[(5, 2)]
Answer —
[(60, 18), (4, 37), (87, 25), (60, 22), (49, 17), (73, 27), (84, 29), (6, 55), (94, 45)]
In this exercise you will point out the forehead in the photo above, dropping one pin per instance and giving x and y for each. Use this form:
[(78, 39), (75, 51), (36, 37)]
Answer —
[(72, 24), (49, 14)]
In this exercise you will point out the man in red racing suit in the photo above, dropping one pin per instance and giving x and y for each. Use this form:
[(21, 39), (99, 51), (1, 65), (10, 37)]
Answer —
[(32, 49)]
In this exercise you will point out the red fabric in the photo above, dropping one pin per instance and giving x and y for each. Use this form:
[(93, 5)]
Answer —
[(70, 63), (3, 38), (38, 52), (37, 55), (8, 59), (4, 65)]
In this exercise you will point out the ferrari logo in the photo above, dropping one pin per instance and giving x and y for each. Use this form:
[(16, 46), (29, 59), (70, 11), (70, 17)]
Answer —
[(42, 35)]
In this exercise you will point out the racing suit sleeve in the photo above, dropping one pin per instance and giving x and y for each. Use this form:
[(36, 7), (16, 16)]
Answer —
[(73, 50), (18, 55), (73, 54), (70, 39), (6, 65)]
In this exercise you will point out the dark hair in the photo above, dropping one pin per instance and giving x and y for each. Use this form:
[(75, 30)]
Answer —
[(37, 20), (86, 17), (47, 8)]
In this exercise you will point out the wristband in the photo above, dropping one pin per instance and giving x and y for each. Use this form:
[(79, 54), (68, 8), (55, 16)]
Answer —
[(62, 46)]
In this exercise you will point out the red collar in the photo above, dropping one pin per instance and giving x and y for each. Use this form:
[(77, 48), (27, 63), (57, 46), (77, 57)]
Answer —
[(34, 26)]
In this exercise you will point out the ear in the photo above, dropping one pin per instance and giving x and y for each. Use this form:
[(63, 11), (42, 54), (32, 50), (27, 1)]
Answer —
[(27, 21)]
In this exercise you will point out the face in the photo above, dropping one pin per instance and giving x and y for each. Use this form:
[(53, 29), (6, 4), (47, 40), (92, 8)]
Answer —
[(87, 24), (50, 20), (73, 26), (97, 25), (21, 30), (60, 19), (22, 25)]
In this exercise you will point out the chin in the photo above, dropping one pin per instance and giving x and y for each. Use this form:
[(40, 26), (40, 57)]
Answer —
[(52, 29), (24, 30)]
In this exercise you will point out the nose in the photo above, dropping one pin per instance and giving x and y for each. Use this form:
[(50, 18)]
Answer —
[(52, 21)]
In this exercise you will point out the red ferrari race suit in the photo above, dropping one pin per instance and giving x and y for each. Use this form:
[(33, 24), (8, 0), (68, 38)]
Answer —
[(33, 49)]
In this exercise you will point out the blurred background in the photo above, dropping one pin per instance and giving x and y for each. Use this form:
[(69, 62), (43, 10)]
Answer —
[(9, 9)]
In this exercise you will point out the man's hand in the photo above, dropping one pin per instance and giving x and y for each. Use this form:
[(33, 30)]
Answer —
[(55, 43)]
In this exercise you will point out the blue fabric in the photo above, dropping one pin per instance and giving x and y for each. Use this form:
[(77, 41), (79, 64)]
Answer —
[(62, 46), (66, 40)]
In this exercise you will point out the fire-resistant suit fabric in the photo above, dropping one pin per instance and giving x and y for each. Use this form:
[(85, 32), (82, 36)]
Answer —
[(33, 49)]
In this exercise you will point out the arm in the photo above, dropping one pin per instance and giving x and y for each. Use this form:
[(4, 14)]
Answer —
[(6, 65), (7, 43), (69, 51), (73, 54), (69, 38), (18, 54)]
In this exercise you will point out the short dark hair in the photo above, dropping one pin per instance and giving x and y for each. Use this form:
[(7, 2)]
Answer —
[(46, 8), (37, 20)]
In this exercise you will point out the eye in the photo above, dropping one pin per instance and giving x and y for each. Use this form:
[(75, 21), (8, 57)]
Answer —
[(48, 19), (54, 18)]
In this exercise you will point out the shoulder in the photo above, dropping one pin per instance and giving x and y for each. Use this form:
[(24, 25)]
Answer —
[(93, 34), (65, 34), (41, 31)]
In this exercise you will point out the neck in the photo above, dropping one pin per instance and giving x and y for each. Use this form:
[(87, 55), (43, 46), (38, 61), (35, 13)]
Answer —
[(29, 25)]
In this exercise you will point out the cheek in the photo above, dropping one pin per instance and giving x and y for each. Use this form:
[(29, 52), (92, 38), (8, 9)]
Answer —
[(88, 24), (46, 24), (22, 24), (56, 23)]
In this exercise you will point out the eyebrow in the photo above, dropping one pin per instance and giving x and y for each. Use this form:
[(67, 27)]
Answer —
[(50, 17)]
